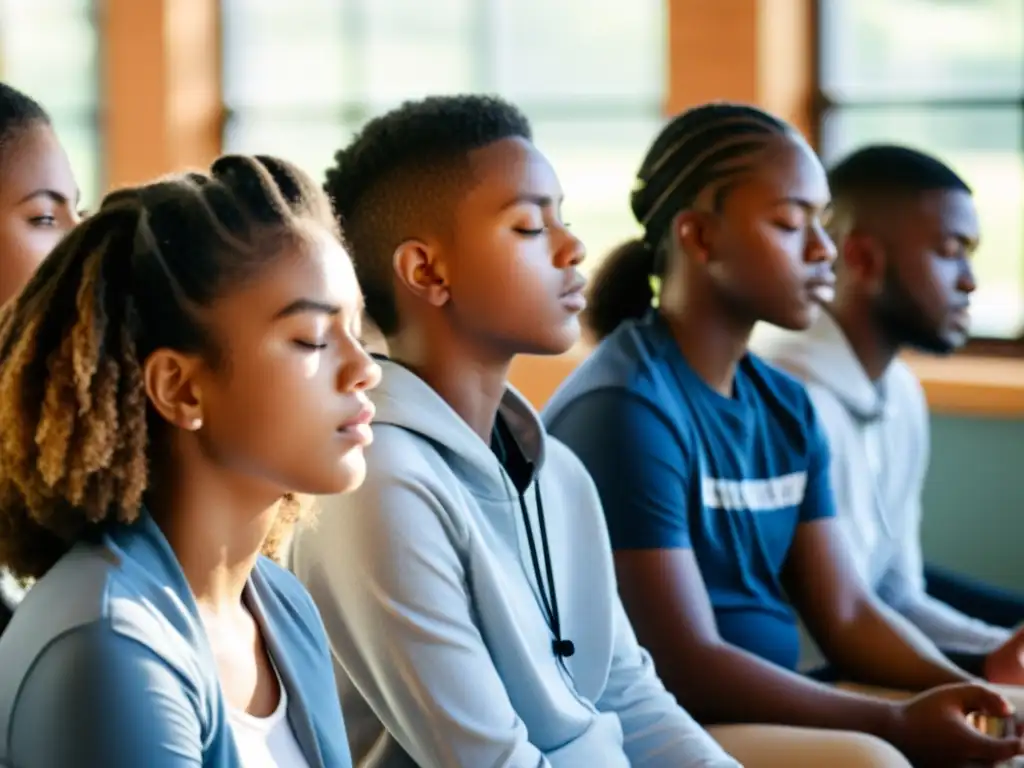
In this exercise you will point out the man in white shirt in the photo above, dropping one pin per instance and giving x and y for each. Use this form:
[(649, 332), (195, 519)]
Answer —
[(905, 228)]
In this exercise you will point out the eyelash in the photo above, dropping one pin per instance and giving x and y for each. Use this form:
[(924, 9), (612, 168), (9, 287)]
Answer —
[(537, 232), (40, 221), (309, 345)]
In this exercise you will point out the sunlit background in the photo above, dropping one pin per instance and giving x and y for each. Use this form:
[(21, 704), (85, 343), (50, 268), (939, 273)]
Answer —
[(299, 76)]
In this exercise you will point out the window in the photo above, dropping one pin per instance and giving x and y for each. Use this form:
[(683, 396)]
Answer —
[(50, 50), (301, 77), (946, 76)]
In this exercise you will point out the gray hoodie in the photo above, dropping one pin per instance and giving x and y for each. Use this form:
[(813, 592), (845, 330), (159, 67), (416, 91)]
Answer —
[(439, 613), (878, 437)]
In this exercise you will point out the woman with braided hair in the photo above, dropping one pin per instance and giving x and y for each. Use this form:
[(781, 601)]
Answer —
[(38, 205), (181, 363), (713, 470)]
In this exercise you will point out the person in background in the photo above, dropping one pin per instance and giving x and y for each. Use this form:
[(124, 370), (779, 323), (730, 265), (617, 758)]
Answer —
[(905, 227), (714, 471), (38, 205), (183, 361), (38, 196), (467, 587)]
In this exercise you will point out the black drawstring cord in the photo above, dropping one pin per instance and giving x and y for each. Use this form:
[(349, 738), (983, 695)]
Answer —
[(561, 647)]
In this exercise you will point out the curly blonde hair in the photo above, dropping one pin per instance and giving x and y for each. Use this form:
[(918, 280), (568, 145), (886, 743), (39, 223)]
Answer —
[(75, 428)]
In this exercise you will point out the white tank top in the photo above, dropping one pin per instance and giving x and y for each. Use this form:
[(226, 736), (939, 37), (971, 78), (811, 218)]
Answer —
[(267, 742)]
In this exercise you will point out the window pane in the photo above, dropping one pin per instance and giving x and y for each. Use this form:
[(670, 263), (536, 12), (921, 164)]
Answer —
[(590, 78), (49, 49), (581, 49), (983, 145), (309, 144), (412, 49), (286, 54), (597, 163), (78, 135), (921, 48)]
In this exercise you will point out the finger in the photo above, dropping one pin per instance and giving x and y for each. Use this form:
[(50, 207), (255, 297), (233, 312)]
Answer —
[(989, 749), (978, 698)]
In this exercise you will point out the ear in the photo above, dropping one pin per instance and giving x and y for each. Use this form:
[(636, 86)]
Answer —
[(693, 232), (421, 271), (863, 257), (172, 388)]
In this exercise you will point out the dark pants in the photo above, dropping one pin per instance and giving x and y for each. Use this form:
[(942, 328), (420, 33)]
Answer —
[(974, 597)]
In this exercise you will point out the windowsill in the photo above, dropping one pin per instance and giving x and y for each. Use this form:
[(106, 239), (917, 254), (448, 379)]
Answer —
[(961, 385), (969, 385)]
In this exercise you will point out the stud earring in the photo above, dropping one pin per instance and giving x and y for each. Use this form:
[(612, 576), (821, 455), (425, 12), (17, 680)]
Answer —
[(195, 424)]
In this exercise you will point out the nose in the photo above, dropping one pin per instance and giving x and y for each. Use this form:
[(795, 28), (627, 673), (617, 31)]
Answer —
[(820, 247), (965, 281), (358, 371), (571, 252)]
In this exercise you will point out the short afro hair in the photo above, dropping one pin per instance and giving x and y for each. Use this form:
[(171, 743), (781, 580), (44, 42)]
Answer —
[(397, 174), (891, 169)]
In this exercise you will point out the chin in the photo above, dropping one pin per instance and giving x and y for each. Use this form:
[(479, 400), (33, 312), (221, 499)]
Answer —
[(798, 320), (353, 472), (557, 343), (347, 474), (939, 345)]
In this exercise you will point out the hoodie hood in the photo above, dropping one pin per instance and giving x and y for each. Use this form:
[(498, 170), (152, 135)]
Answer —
[(822, 355), (404, 400)]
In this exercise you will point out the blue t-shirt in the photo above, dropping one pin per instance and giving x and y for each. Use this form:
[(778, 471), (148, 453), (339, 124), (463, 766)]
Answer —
[(678, 465)]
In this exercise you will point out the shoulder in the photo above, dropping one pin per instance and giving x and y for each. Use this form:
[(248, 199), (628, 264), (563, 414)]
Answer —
[(100, 585), (628, 359), (563, 463), (409, 490), (905, 388), (94, 694), (784, 390), (278, 587), (620, 417)]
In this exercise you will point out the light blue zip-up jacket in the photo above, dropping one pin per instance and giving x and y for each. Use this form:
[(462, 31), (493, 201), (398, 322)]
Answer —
[(106, 663)]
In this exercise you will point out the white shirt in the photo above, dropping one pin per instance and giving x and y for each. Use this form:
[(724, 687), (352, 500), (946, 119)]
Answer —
[(267, 742), (878, 433)]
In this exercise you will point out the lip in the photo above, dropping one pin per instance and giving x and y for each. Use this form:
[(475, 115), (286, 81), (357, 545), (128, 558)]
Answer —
[(961, 317), (573, 298), (358, 429), (574, 301), (821, 287)]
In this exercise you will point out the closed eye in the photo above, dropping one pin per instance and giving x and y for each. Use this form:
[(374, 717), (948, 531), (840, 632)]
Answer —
[(530, 232), (309, 344)]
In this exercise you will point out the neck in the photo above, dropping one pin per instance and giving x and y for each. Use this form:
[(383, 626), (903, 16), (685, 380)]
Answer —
[(712, 342), (471, 382), (869, 343), (215, 531)]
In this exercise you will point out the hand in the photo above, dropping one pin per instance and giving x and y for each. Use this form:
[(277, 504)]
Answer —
[(1005, 665), (932, 728)]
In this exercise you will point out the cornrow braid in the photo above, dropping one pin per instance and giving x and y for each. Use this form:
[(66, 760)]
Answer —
[(75, 429), (699, 154)]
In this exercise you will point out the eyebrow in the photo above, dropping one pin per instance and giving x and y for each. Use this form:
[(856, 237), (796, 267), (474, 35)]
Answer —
[(541, 201), (53, 194), (300, 306), (807, 205)]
